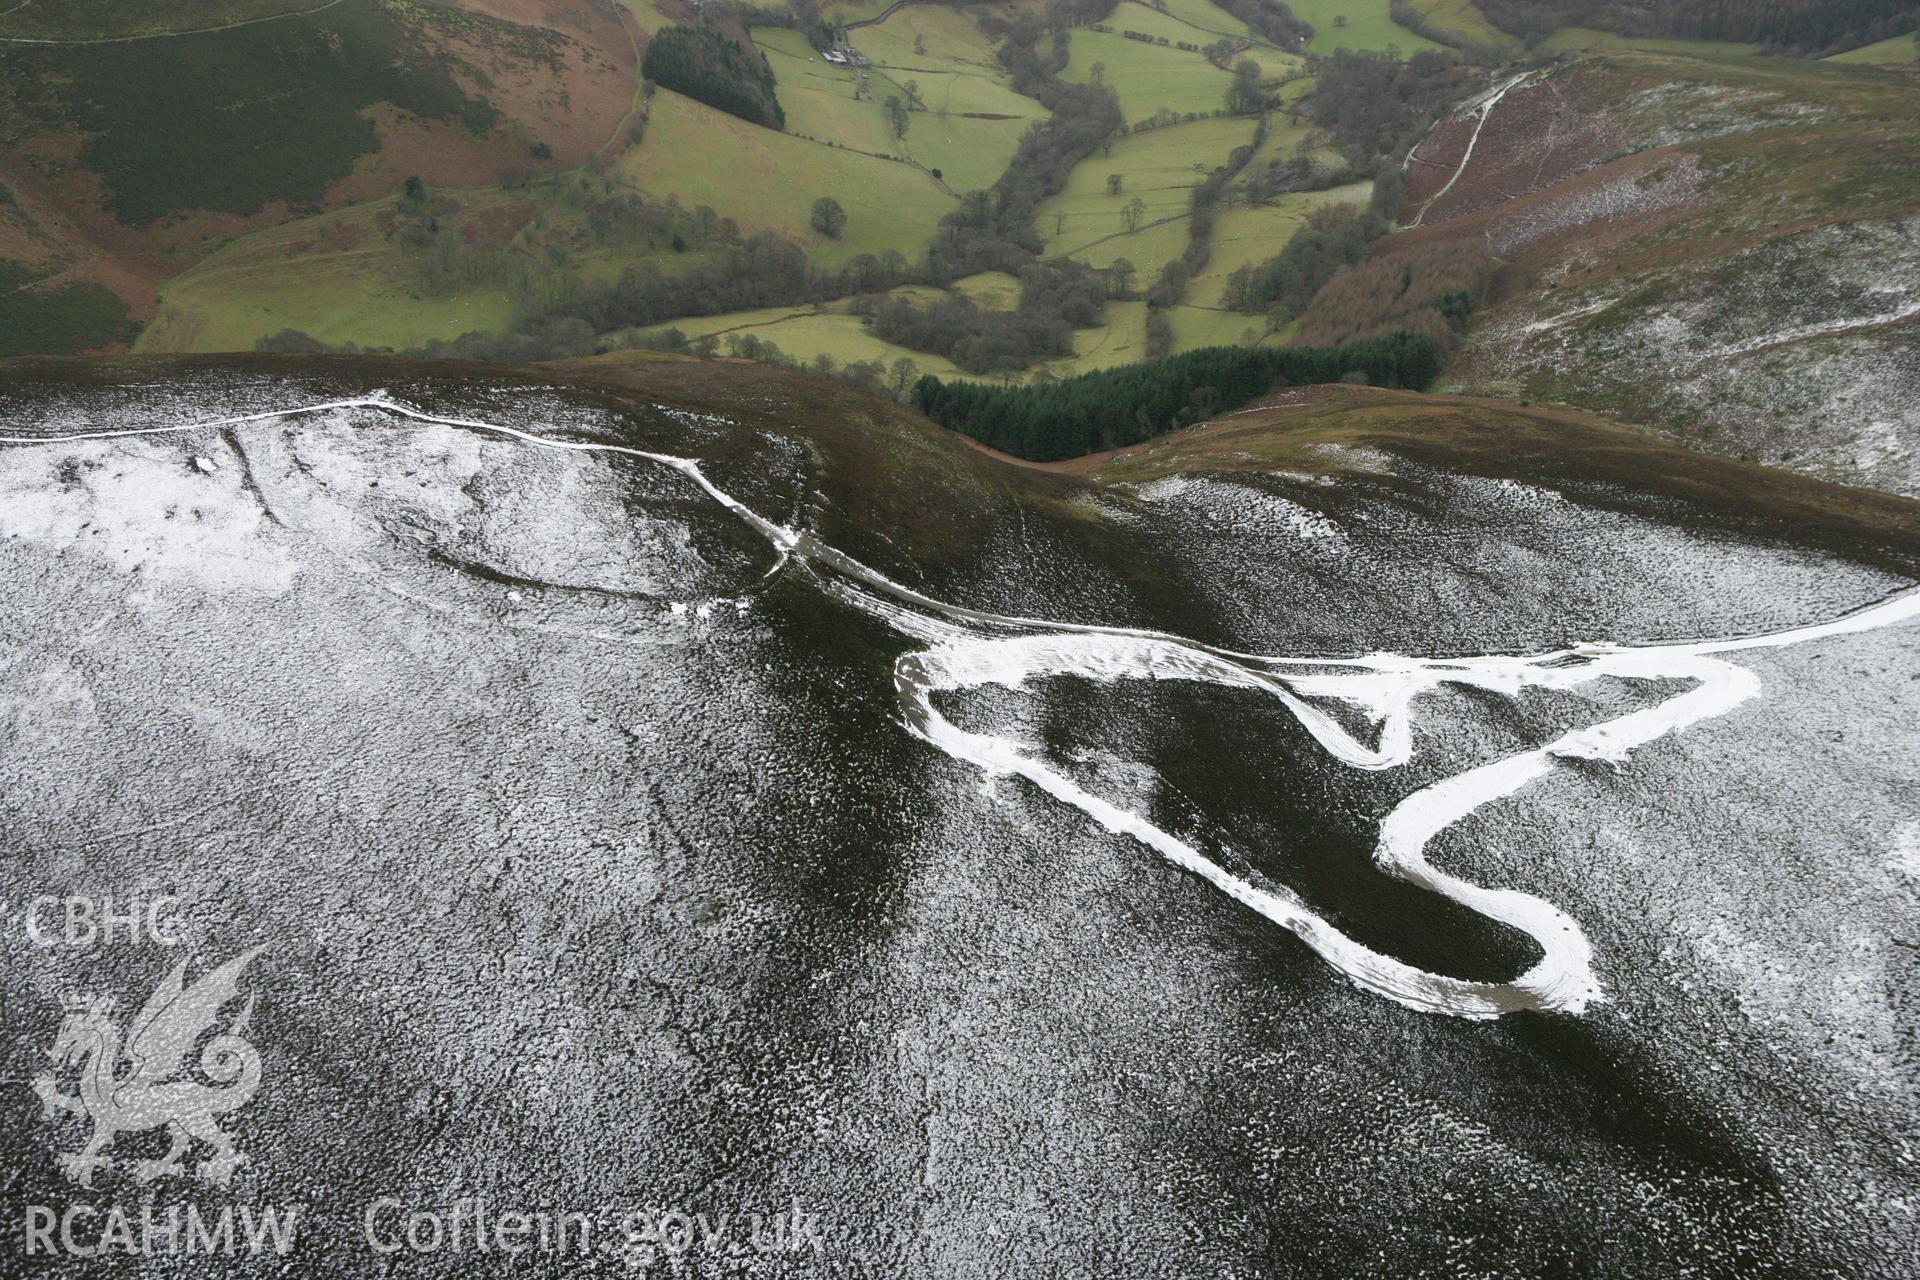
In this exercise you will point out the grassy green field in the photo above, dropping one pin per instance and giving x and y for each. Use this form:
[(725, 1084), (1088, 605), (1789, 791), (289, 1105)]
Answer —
[(970, 129), (645, 15), (841, 12), (970, 154), (1195, 327), (1248, 234), (803, 333), (818, 96), (1462, 20), (974, 120), (1578, 38), (1210, 18), (769, 181), (109, 19), (994, 290), (1121, 340), (1284, 136), (336, 277), (1131, 15), (1192, 22), (339, 298), (1149, 248), (1899, 49), (1368, 27), (1147, 77), (1295, 89), (952, 40), (342, 277), (1160, 166)]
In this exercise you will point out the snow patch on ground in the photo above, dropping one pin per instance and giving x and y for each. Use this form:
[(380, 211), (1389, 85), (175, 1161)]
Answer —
[(1359, 458), (143, 508), (1801, 351), (1906, 851), (1624, 194), (1239, 504), (1106, 508), (1689, 111), (1514, 493)]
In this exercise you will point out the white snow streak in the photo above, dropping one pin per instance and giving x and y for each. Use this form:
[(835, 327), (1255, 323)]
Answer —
[(1482, 108)]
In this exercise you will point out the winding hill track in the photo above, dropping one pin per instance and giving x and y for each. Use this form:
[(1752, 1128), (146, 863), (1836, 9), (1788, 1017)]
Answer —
[(1484, 109), (961, 648)]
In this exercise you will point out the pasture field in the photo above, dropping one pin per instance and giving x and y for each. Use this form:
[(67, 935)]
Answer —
[(994, 290), (1195, 327), (1148, 249), (369, 296), (1368, 27), (1158, 242), (1248, 234), (971, 127), (1284, 136), (337, 299), (645, 16), (1146, 77), (841, 12), (335, 276), (1463, 20), (341, 277), (1898, 49), (818, 96), (1214, 22), (975, 98), (918, 294), (805, 332), (970, 154), (1574, 39), (729, 322), (974, 120), (1131, 15), (1121, 340), (952, 40), (1295, 89), (1160, 166), (769, 181)]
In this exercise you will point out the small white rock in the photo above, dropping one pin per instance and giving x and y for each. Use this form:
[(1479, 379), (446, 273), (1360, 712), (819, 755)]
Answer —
[(206, 465)]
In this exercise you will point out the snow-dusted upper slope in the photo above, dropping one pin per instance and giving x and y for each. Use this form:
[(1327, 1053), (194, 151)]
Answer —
[(616, 827)]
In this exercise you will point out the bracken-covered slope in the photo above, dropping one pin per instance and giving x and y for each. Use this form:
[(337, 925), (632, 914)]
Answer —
[(1728, 250), (597, 752), (125, 159)]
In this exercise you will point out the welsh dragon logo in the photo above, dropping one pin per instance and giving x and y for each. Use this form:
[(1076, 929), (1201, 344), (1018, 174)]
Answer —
[(144, 1083)]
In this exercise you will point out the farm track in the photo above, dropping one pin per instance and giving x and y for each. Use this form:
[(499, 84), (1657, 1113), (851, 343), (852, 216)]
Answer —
[(882, 16), (627, 25), (1484, 110), (953, 648)]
